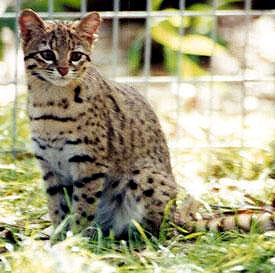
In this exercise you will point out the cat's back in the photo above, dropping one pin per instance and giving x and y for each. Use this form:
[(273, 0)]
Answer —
[(134, 131)]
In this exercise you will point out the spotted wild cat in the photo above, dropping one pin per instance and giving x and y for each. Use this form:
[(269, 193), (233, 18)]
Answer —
[(97, 139)]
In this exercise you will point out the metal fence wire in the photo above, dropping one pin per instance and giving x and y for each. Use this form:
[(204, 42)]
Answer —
[(146, 80)]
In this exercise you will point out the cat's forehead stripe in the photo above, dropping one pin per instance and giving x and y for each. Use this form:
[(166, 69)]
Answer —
[(61, 38)]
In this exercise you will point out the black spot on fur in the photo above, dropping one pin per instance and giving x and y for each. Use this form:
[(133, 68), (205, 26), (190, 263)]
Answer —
[(132, 184), (40, 158), (136, 172), (121, 140), (84, 195), (116, 107), (150, 180), (76, 198), (84, 214), (142, 121), (86, 140), (53, 190), (93, 177), (115, 184), (149, 192), (55, 118), (118, 198), (56, 212), (90, 200), (90, 217), (79, 184), (77, 91), (98, 194), (82, 158), (64, 207), (47, 175)]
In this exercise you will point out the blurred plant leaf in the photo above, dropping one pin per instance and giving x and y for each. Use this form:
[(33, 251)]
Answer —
[(200, 7), (74, 4), (194, 44), (201, 24), (42, 5), (156, 4), (36, 5), (135, 54), (223, 3), (187, 67), (178, 20), (1, 49)]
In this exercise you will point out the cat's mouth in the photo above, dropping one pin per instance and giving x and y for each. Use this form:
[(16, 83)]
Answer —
[(57, 80)]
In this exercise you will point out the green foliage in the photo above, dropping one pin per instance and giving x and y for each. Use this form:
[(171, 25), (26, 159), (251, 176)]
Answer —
[(134, 54), (236, 163), (156, 4), (42, 5), (233, 253), (197, 40), (182, 63), (1, 49), (9, 22)]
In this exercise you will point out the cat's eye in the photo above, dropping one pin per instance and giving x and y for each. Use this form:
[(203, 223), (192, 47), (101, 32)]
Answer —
[(76, 56), (48, 55)]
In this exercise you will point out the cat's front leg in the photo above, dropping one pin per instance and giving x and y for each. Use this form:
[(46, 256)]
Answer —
[(88, 180), (57, 205)]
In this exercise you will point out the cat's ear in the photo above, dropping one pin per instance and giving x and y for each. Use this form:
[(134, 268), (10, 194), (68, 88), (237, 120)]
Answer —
[(30, 23), (88, 26)]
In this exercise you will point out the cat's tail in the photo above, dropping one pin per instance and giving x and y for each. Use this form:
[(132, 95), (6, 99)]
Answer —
[(187, 215)]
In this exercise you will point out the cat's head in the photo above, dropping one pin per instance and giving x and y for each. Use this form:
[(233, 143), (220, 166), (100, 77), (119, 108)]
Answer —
[(57, 52)]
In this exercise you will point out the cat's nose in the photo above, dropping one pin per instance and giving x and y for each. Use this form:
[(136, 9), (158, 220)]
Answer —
[(63, 70)]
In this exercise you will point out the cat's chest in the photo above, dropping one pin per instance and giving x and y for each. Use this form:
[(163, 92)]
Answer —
[(57, 152)]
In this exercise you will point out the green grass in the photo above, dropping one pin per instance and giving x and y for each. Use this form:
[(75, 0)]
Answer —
[(24, 223)]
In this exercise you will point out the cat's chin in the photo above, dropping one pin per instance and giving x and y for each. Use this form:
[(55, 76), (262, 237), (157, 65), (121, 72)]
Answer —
[(60, 82)]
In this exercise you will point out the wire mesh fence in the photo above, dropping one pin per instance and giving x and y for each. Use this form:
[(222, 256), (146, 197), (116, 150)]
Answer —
[(203, 89)]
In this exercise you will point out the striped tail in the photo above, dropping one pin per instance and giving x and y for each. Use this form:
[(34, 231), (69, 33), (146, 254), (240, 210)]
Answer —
[(245, 221), (189, 216)]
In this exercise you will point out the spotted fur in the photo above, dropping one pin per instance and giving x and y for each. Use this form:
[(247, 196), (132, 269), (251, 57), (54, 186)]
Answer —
[(97, 139)]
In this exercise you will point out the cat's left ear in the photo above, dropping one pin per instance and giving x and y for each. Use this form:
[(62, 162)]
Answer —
[(88, 26)]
